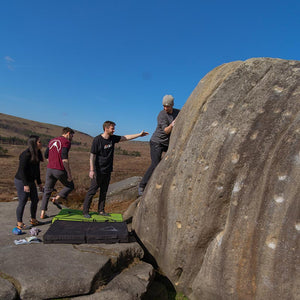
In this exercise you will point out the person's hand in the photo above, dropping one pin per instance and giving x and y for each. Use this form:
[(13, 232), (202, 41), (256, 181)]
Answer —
[(26, 188), (70, 177), (92, 174), (144, 133), (41, 188), (173, 123)]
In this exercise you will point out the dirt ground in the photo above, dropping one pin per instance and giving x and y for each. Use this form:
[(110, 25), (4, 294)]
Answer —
[(125, 166)]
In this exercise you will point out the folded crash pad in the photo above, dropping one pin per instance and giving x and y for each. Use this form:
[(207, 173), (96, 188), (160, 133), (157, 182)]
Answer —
[(67, 214), (74, 232)]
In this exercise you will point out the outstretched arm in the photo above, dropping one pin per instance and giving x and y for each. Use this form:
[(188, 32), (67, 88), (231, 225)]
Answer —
[(133, 136)]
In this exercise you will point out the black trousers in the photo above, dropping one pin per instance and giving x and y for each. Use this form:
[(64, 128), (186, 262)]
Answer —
[(156, 151), (101, 181)]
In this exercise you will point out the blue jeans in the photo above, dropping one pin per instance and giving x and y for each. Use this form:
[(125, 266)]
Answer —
[(23, 198), (156, 151)]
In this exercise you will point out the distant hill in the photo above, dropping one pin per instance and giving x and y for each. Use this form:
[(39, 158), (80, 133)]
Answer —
[(15, 130)]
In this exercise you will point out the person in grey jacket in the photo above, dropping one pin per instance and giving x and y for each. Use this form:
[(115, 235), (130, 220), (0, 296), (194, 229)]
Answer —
[(159, 141)]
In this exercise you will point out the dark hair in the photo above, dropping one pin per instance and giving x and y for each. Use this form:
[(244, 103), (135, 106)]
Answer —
[(36, 154), (67, 130), (107, 124)]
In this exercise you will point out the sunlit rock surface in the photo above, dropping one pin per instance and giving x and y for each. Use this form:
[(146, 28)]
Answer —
[(221, 212)]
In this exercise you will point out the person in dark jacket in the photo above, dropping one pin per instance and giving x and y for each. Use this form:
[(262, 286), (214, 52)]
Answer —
[(28, 173)]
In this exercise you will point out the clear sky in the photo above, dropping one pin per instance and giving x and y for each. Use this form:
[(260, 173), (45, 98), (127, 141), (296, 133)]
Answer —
[(79, 63)]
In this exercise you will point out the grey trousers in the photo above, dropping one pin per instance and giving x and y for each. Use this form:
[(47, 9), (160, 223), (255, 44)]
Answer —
[(52, 175), (23, 198)]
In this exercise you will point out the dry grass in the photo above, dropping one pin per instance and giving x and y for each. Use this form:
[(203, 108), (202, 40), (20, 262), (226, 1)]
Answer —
[(124, 167)]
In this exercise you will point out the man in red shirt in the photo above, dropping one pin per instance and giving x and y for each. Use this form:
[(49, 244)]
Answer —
[(58, 168)]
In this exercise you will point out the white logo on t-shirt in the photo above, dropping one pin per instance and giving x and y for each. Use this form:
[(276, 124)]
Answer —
[(56, 144)]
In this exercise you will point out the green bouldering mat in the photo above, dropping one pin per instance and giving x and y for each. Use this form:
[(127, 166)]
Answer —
[(68, 214)]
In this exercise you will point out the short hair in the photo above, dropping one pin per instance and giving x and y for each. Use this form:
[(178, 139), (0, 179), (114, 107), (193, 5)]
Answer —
[(107, 124), (67, 130)]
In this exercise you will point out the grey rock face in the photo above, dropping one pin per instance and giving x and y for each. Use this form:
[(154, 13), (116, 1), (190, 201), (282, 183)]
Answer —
[(45, 271), (221, 213), (121, 191), (7, 290), (128, 214), (133, 281), (131, 284)]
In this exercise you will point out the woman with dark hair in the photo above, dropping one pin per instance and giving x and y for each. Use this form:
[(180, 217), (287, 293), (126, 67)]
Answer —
[(29, 172)]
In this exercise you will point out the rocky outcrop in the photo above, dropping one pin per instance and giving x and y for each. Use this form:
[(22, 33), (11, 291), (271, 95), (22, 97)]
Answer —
[(129, 213), (133, 281), (7, 290), (131, 284), (45, 271), (121, 191), (221, 212)]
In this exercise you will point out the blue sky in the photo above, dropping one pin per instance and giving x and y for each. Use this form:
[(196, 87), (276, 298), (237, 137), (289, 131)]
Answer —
[(78, 63)]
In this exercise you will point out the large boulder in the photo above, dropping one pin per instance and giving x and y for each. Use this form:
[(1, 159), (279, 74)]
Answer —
[(221, 211), (121, 191)]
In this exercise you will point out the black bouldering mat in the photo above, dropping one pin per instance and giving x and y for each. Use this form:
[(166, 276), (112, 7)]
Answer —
[(65, 232), (74, 232), (107, 233)]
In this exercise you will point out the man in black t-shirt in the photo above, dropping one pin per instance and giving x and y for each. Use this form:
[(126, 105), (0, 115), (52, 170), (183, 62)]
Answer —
[(101, 164)]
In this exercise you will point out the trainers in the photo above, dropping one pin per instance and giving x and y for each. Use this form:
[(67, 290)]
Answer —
[(103, 213), (35, 222), (140, 190), (87, 216)]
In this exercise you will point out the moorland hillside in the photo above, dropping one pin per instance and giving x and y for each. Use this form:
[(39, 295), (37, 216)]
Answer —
[(15, 130), (131, 158)]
